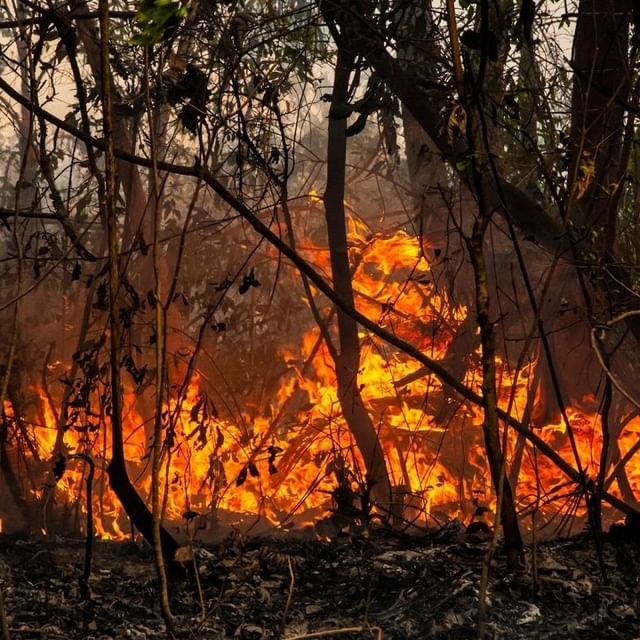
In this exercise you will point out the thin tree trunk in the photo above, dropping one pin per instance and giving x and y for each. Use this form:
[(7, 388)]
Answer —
[(118, 477), (506, 513), (348, 361), (160, 353), (508, 517)]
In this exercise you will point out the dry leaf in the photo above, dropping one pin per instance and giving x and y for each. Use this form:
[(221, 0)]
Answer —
[(457, 123), (586, 174)]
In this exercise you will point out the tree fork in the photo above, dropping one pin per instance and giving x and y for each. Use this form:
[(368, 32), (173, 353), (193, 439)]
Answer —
[(348, 361)]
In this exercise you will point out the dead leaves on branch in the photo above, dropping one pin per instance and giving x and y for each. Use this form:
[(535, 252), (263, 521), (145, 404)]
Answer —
[(585, 175), (456, 124)]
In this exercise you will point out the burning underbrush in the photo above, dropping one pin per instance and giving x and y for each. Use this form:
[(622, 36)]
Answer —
[(297, 462)]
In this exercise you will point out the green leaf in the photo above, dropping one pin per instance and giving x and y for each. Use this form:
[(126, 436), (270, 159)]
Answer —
[(157, 20)]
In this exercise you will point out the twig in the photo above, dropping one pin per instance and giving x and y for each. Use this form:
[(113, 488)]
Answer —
[(339, 632), (203, 608), (616, 383), (196, 575), (534, 545), (88, 550), (292, 584), (4, 623)]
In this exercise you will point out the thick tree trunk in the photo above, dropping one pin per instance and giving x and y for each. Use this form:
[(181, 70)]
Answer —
[(602, 81)]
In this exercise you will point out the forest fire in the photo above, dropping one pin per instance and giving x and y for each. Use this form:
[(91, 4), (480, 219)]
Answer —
[(332, 308), (285, 467)]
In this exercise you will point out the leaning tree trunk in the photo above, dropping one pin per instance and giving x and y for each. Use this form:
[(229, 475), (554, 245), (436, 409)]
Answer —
[(348, 359), (433, 216)]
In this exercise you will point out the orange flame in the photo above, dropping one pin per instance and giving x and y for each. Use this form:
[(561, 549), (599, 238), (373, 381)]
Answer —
[(275, 467)]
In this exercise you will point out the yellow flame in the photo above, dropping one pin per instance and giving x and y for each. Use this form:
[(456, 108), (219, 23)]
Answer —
[(274, 467)]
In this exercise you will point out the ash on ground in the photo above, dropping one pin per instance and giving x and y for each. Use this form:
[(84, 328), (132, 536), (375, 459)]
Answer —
[(388, 585)]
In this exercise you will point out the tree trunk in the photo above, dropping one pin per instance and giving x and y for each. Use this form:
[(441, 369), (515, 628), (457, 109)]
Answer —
[(348, 360), (601, 86), (136, 222), (118, 477), (508, 517)]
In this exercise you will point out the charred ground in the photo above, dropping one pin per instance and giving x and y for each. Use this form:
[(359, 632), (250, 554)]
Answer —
[(407, 587)]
